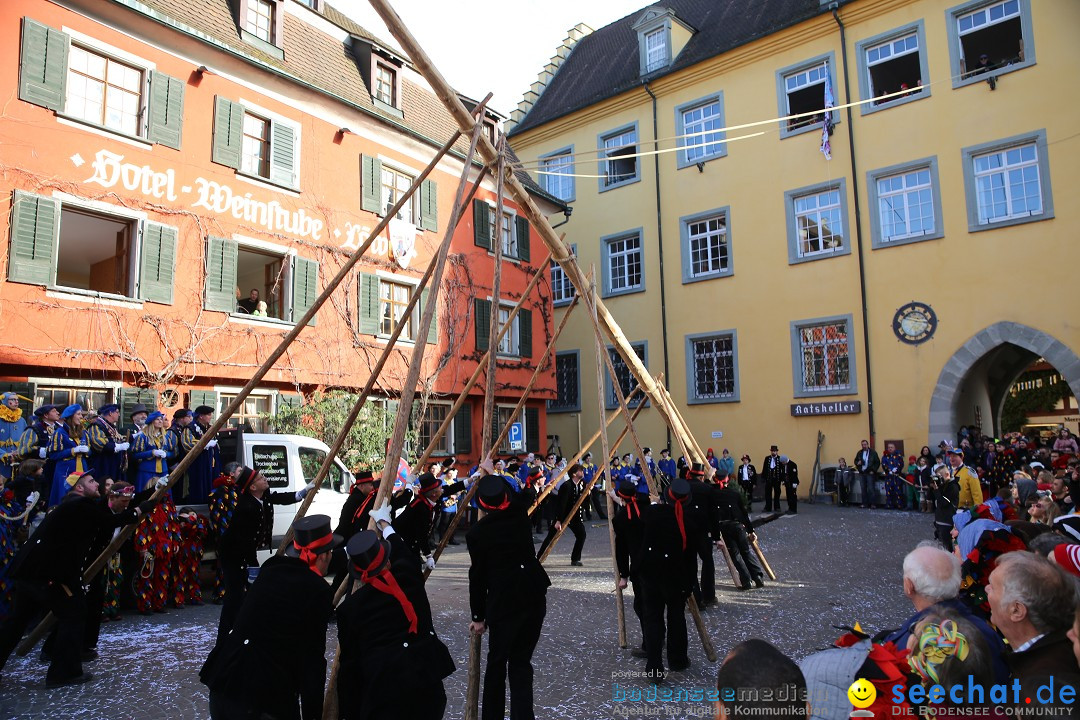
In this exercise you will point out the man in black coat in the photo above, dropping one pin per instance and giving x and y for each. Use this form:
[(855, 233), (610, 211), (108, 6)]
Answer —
[(250, 530), (628, 526), (569, 492), (770, 470), (48, 571), (946, 503), (354, 518), (386, 633), (789, 476), (508, 594), (669, 539), (416, 514), (702, 509), (272, 665), (735, 526)]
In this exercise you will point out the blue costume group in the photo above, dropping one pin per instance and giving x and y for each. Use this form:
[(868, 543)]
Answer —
[(12, 426)]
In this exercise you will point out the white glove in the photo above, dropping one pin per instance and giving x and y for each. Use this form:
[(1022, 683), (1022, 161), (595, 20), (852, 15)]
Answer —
[(80, 450), (162, 482), (302, 492), (211, 444), (121, 447), (381, 513), (429, 562), (159, 453), (42, 452), (32, 499)]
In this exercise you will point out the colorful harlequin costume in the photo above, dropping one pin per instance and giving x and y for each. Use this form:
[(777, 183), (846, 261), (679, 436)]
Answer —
[(981, 543), (62, 451), (893, 463), (223, 499), (114, 583), (12, 426), (185, 575), (157, 539), (10, 522)]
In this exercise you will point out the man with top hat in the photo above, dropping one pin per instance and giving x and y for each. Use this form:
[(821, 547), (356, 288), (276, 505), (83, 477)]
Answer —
[(386, 633), (970, 491), (747, 477), (273, 663), (737, 531), (48, 570), (507, 595), (355, 515), (628, 526), (416, 517), (669, 537), (12, 426), (567, 497), (250, 530), (789, 477), (108, 448), (203, 469), (771, 472), (702, 508)]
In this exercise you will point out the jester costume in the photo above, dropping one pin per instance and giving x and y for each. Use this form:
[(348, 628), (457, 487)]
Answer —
[(142, 452), (158, 538), (114, 583), (893, 463), (10, 522), (186, 561), (12, 426), (223, 499), (981, 542)]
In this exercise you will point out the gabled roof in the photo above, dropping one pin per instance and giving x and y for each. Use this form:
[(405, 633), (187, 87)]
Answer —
[(323, 62), (605, 63)]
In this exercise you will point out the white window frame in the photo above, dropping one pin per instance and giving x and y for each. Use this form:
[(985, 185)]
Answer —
[(607, 243), (959, 65), (783, 105), (252, 29), (864, 48), (510, 345), (686, 242), (976, 222), (796, 253), (657, 49), (797, 357), (275, 119), (562, 290), (231, 391), (286, 254), (448, 436), (385, 205), (877, 227), (557, 173), (629, 133), (507, 233), (693, 397), (696, 139)]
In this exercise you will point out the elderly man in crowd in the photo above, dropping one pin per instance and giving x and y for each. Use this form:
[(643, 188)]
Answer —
[(1032, 603), (932, 583)]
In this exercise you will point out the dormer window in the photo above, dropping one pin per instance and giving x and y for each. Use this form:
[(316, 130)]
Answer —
[(259, 19), (381, 70), (385, 89), (661, 36), (260, 23)]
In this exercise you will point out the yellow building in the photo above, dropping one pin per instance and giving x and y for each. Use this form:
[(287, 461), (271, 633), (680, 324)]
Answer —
[(893, 291)]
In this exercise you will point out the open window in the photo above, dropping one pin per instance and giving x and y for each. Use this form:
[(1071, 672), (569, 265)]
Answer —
[(989, 38), (618, 158), (804, 92), (893, 66), (260, 276), (250, 279), (95, 252)]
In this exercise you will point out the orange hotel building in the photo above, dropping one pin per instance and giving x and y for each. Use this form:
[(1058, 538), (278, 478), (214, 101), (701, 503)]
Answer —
[(159, 159)]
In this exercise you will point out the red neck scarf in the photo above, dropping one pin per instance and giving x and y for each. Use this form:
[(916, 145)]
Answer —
[(421, 496), (384, 581), (632, 509), (307, 552), (679, 518), (364, 504)]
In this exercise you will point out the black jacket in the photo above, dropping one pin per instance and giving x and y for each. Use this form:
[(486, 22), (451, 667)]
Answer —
[(274, 659), (789, 472), (568, 495), (1050, 657), (251, 527), (628, 534), (58, 549), (355, 513), (730, 507), (377, 649), (663, 560), (416, 519), (946, 502), (703, 508), (505, 574), (771, 473)]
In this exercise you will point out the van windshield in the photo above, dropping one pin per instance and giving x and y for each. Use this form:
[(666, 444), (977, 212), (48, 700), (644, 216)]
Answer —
[(310, 461)]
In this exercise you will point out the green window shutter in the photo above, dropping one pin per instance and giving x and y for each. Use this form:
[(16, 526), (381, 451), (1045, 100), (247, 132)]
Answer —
[(463, 429), (522, 232), (203, 397), (34, 223), (483, 323), (524, 319), (305, 287), (157, 264), (220, 292), (433, 331), (481, 224), (429, 205), (532, 430), (371, 180), (166, 110), (130, 397), (282, 155), (369, 304), (43, 65), (228, 132), (24, 390)]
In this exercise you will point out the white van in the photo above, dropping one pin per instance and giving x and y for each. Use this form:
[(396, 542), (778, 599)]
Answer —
[(289, 462)]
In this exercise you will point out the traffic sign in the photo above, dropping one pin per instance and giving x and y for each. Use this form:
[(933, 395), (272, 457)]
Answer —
[(517, 436)]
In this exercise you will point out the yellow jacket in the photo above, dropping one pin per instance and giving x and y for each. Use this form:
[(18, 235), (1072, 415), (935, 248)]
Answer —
[(970, 490)]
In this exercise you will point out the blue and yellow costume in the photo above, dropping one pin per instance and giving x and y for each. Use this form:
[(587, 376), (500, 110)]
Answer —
[(62, 452), (202, 471), (103, 438), (142, 451), (12, 426)]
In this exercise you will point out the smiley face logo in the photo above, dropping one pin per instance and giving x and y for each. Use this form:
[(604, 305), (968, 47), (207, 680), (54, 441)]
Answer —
[(862, 693)]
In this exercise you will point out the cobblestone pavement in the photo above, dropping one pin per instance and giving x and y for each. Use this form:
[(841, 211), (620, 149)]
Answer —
[(835, 566)]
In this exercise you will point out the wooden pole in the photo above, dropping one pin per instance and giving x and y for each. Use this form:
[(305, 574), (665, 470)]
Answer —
[(554, 480), (181, 468), (703, 632), (620, 603), (479, 370), (472, 694), (449, 533), (761, 556)]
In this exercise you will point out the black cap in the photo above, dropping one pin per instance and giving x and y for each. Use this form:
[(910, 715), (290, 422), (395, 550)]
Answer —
[(364, 549), (679, 489), (312, 533), (627, 489), (491, 493), (44, 409)]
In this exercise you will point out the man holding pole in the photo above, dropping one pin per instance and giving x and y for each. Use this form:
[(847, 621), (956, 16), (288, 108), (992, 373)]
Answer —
[(507, 594), (627, 521), (415, 521), (568, 496)]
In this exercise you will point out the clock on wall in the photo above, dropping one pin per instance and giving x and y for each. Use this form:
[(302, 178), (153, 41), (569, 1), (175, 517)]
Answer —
[(915, 323)]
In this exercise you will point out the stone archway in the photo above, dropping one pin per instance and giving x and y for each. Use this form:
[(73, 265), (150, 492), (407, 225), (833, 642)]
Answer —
[(1026, 342)]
